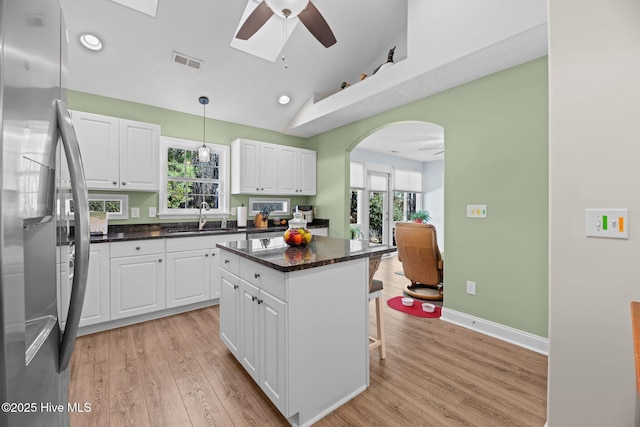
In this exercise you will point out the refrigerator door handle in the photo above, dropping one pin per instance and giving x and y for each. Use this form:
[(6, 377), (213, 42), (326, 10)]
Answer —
[(81, 231)]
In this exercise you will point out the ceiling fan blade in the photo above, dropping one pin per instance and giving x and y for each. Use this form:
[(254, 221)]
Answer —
[(316, 24), (255, 21), (439, 152)]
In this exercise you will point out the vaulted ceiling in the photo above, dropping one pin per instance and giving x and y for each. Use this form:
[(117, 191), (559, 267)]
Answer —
[(439, 45)]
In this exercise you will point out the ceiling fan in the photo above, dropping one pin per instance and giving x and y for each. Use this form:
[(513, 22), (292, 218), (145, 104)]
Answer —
[(308, 14)]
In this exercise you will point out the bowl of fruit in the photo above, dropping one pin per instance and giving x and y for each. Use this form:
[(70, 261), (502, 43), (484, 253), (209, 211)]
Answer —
[(297, 233)]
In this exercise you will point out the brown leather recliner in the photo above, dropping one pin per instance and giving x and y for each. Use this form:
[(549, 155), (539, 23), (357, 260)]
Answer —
[(421, 259)]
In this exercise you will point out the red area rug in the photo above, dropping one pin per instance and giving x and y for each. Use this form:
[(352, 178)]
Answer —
[(415, 309)]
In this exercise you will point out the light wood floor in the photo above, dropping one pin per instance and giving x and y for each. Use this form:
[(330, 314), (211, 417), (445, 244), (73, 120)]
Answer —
[(176, 372)]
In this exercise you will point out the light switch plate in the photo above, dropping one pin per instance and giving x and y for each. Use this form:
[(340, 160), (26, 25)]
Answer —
[(609, 223), (152, 212), (476, 211), (135, 212)]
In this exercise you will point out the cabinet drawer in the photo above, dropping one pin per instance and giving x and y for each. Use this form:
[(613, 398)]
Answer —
[(136, 247), (230, 262), (263, 277)]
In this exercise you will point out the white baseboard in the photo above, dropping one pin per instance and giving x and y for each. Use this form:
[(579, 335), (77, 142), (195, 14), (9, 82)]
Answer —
[(496, 330)]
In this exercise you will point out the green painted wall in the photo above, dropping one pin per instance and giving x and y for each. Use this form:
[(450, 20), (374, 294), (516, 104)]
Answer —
[(178, 125), (496, 143)]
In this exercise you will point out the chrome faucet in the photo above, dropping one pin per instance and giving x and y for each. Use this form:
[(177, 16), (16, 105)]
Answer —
[(202, 219)]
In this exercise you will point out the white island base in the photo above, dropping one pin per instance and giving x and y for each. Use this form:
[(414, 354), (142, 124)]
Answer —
[(302, 335)]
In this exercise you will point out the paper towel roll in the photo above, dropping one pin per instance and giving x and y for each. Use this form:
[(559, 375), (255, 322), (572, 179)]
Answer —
[(242, 216)]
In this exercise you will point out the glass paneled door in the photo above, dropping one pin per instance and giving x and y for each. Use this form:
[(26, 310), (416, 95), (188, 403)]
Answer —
[(378, 204)]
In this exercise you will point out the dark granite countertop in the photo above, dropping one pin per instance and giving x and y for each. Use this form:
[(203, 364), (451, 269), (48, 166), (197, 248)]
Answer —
[(275, 253), (119, 233)]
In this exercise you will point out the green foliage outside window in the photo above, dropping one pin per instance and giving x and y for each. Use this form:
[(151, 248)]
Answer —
[(375, 216), (190, 182)]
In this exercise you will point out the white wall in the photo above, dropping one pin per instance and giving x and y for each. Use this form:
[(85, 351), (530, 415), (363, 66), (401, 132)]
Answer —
[(431, 21), (433, 200), (594, 149), (365, 156)]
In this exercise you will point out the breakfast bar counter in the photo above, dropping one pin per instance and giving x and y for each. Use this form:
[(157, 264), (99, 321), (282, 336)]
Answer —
[(296, 318), (276, 254)]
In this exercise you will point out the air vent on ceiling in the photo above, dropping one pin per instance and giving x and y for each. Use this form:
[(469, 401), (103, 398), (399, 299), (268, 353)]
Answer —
[(187, 61)]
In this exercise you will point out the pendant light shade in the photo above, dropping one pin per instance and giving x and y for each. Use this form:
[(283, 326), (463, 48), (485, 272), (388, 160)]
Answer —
[(204, 153)]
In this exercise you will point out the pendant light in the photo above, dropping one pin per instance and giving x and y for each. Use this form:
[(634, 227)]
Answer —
[(204, 153)]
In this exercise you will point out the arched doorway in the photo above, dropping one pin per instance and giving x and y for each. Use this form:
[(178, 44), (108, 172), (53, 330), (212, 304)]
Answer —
[(396, 171)]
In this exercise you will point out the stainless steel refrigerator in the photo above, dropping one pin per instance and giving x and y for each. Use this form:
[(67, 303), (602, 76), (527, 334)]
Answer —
[(37, 141)]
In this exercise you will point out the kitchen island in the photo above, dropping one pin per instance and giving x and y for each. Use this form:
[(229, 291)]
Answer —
[(297, 320)]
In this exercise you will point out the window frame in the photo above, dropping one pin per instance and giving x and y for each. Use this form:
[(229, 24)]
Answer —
[(224, 178), (122, 198)]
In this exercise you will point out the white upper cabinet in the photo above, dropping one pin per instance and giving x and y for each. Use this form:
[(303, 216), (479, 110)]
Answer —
[(139, 150), (264, 168), (118, 154)]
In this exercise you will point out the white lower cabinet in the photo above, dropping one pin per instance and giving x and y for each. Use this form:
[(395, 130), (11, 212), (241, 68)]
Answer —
[(306, 349), (263, 334), (214, 274), (230, 311), (137, 282), (193, 273), (96, 298), (187, 277)]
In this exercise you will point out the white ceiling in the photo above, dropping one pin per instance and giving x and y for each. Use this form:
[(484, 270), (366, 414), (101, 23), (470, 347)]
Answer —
[(417, 141), (468, 39)]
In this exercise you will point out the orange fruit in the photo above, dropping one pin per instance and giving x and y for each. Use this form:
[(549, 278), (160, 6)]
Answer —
[(297, 239)]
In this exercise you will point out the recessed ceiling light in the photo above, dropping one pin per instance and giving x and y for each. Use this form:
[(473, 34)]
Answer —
[(90, 42), (284, 99)]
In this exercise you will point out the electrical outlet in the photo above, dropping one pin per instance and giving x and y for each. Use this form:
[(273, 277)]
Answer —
[(152, 212), (135, 212), (471, 287)]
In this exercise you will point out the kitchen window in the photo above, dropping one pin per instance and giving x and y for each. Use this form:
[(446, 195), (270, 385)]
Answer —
[(116, 206), (187, 182)]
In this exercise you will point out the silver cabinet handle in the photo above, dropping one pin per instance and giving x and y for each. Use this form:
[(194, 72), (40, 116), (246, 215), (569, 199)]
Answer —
[(123, 183), (206, 255), (256, 275), (137, 248), (253, 298), (82, 239), (115, 182), (226, 261), (160, 260), (213, 254), (260, 301), (235, 286)]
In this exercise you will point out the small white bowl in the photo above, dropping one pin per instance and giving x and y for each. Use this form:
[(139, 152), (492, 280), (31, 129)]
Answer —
[(428, 307), (407, 301)]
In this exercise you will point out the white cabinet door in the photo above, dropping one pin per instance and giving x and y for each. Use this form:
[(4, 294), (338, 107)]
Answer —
[(137, 285), (320, 231), (296, 171), (286, 170), (96, 298), (249, 329), (187, 277), (214, 274), (139, 150), (272, 348), (98, 139), (306, 176), (230, 311), (245, 157), (268, 168)]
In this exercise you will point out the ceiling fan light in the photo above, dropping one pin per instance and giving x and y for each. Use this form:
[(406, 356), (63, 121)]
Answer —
[(295, 6), (284, 99)]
